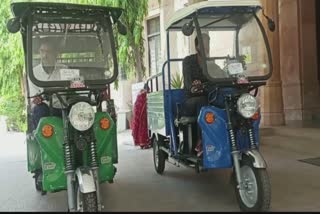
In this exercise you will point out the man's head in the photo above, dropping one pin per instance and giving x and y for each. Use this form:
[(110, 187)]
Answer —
[(48, 53), (206, 44)]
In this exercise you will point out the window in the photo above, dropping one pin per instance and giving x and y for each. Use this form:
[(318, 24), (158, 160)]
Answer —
[(154, 45)]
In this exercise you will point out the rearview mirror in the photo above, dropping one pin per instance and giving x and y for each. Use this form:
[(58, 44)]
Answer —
[(187, 28), (121, 28), (13, 25), (271, 25)]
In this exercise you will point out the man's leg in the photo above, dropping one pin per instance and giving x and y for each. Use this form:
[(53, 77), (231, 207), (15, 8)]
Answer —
[(39, 111), (57, 112), (201, 101), (192, 107)]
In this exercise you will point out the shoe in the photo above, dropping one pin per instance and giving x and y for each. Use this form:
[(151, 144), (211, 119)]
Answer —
[(199, 153), (198, 148)]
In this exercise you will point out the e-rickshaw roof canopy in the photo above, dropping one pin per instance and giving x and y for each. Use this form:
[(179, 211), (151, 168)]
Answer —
[(18, 7), (206, 8)]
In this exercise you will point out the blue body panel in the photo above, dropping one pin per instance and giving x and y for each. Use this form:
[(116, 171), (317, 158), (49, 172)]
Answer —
[(215, 139), (177, 96)]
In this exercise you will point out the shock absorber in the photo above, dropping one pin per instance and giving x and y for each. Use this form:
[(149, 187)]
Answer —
[(234, 148), (251, 138), (95, 167), (68, 160), (93, 151), (230, 128), (68, 163), (93, 154)]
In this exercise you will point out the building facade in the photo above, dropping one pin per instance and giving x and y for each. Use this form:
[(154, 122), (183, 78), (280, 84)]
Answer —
[(292, 94)]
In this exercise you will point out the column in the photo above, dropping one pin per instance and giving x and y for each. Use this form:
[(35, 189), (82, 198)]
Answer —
[(308, 57), (290, 59), (271, 94)]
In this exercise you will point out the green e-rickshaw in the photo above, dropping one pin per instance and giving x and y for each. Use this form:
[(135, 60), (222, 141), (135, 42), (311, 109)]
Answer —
[(77, 150)]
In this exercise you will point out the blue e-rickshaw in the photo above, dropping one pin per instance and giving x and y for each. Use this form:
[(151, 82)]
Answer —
[(230, 122)]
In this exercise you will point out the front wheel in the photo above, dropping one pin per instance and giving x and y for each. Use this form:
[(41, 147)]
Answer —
[(159, 156), (256, 193), (86, 202)]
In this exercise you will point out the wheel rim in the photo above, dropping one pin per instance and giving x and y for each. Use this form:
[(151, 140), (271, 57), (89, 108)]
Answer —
[(249, 194), (156, 154)]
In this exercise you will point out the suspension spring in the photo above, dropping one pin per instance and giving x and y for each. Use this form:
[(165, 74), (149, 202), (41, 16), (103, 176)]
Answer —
[(251, 138), (233, 140), (68, 163), (93, 154)]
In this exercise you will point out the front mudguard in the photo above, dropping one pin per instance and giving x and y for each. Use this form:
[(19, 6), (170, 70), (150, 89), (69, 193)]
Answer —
[(86, 180), (256, 157)]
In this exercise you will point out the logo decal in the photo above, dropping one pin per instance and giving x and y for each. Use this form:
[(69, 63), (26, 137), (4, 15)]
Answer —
[(210, 148), (105, 160), (49, 166)]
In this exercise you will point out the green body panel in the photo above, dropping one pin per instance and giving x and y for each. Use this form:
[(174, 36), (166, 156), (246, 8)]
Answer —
[(33, 155), (106, 147), (155, 111), (52, 156)]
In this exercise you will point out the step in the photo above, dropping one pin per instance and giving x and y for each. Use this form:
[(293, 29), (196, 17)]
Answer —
[(305, 133), (299, 140)]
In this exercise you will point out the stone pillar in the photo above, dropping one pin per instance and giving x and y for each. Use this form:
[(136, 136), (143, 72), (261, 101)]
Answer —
[(271, 94), (290, 59), (298, 56), (308, 59)]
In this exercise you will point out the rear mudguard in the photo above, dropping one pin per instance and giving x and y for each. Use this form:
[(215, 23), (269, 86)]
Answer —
[(86, 180), (216, 141)]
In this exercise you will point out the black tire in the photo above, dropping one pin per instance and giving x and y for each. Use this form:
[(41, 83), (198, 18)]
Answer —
[(159, 156), (38, 180), (89, 202), (261, 185)]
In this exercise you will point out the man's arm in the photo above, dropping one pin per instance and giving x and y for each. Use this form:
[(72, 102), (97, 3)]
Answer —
[(187, 80), (191, 84)]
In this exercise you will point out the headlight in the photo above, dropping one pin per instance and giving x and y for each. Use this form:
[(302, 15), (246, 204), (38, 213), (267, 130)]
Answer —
[(247, 105), (81, 116)]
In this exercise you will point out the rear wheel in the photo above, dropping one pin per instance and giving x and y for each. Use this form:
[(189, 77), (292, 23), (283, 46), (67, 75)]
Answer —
[(86, 202), (159, 156), (256, 195), (38, 180)]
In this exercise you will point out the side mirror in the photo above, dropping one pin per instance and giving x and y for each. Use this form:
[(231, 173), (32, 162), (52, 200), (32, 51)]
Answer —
[(121, 28), (13, 25), (271, 25), (187, 29)]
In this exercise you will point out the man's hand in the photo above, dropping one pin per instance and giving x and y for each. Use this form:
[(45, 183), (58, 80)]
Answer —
[(196, 87), (37, 100)]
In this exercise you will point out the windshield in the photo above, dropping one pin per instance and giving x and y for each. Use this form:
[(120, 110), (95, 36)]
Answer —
[(71, 51), (234, 46)]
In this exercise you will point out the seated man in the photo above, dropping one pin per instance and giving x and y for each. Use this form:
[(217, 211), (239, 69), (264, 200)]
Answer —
[(48, 69), (193, 82)]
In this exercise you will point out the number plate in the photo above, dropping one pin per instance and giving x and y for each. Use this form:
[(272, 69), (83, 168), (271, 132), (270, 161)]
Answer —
[(235, 68)]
